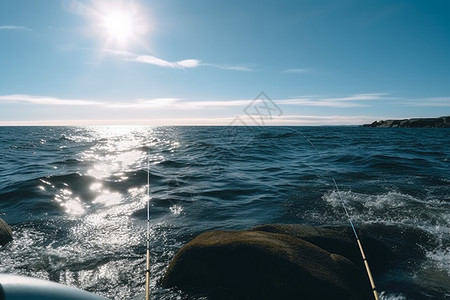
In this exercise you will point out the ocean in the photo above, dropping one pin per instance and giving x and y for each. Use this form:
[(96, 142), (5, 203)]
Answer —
[(75, 197)]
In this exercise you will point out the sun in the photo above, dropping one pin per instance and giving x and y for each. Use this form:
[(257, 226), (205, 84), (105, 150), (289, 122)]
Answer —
[(119, 26)]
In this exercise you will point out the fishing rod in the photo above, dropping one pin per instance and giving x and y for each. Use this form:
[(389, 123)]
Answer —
[(147, 272), (361, 250), (358, 241)]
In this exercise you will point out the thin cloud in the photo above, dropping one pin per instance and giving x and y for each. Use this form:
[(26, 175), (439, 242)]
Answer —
[(164, 108), (433, 101), (298, 70), (141, 103), (181, 64), (361, 97), (178, 103), (156, 61), (44, 100), (216, 104), (229, 67), (14, 27), (313, 120), (356, 100), (146, 103), (236, 68)]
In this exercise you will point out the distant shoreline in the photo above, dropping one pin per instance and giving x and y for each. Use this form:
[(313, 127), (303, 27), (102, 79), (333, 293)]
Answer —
[(440, 122)]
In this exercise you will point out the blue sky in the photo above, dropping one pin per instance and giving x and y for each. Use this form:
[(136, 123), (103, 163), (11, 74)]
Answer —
[(203, 62)]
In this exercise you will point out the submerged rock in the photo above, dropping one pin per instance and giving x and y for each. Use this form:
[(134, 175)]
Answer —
[(5, 233), (271, 262)]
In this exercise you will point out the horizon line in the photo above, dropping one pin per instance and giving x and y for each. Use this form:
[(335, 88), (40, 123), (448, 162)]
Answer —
[(239, 121)]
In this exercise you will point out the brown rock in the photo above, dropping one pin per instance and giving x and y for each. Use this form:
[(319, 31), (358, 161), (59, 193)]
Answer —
[(268, 262), (5, 233)]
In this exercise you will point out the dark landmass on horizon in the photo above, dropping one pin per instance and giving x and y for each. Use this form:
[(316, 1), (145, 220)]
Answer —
[(441, 122)]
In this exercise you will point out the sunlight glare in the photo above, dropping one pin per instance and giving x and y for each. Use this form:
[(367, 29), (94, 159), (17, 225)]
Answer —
[(118, 26), (122, 24)]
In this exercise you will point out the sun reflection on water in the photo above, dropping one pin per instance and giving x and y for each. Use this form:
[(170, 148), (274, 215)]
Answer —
[(72, 205), (119, 149), (104, 195), (112, 165), (108, 155), (108, 199)]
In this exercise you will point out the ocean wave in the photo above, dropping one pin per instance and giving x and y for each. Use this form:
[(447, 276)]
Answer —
[(390, 208), (441, 259), (76, 197), (387, 296)]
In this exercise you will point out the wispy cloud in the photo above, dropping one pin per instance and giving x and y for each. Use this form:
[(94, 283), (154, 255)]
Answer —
[(156, 61), (146, 103), (361, 97), (229, 67), (168, 110), (135, 104), (433, 101), (178, 103), (14, 27), (236, 68), (45, 100), (298, 70), (181, 64), (356, 100), (312, 120), (141, 103), (216, 104)]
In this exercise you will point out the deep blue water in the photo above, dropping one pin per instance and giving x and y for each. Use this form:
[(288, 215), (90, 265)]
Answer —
[(75, 197)]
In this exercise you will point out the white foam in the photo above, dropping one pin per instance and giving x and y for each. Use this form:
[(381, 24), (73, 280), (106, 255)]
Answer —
[(392, 207), (441, 259), (386, 296)]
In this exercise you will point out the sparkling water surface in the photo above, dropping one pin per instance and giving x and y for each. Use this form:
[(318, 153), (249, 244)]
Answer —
[(76, 197)]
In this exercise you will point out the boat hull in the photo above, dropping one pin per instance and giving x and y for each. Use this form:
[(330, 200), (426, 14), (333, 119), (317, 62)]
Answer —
[(14, 287)]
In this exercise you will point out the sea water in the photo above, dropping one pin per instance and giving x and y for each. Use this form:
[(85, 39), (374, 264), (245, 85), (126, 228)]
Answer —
[(76, 197)]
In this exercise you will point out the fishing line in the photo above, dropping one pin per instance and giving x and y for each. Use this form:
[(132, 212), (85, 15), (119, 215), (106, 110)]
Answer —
[(361, 250), (147, 273)]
